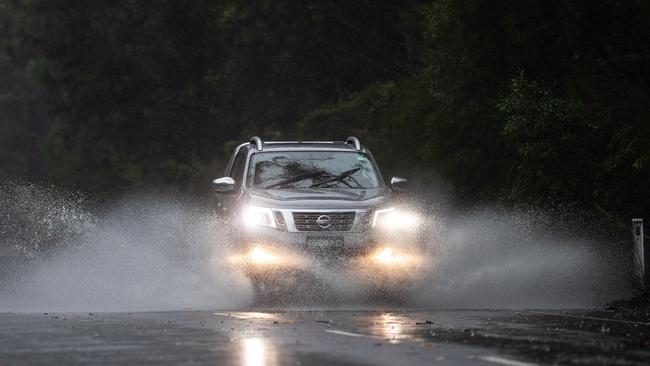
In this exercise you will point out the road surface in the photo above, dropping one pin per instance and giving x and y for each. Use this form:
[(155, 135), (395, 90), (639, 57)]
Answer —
[(326, 337)]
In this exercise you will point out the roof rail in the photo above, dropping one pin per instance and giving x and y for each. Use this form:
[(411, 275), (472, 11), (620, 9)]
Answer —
[(257, 141), (354, 141)]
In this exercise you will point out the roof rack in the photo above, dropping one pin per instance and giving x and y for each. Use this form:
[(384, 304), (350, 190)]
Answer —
[(301, 142), (257, 141), (354, 141)]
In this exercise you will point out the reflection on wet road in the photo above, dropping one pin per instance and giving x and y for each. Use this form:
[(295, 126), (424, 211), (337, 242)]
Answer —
[(258, 352), (312, 337)]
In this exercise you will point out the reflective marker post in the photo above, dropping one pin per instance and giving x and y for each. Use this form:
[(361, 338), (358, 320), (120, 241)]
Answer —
[(640, 259)]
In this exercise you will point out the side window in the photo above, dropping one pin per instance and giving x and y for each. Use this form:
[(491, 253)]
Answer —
[(237, 170)]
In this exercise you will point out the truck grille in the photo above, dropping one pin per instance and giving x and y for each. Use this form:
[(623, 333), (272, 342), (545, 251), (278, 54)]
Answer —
[(323, 221)]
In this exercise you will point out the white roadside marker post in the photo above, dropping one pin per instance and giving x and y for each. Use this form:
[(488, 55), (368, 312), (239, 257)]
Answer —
[(640, 253)]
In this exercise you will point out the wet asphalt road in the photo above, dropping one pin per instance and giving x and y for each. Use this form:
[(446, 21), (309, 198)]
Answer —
[(335, 337)]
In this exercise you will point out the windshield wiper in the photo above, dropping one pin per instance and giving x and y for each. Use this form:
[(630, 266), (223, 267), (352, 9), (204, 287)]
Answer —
[(295, 179), (338, 178)]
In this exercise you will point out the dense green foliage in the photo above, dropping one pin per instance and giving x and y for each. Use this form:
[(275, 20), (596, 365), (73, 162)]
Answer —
[(520, 101), (523, 101)]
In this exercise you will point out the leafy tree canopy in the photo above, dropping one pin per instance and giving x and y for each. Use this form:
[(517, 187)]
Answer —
[(522, 101)]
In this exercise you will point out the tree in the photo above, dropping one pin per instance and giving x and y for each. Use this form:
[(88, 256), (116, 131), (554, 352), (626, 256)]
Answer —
[(148, 93)]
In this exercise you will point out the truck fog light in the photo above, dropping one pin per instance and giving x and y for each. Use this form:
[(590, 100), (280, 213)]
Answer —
[(390, 257), (260, 255), (270, 256)]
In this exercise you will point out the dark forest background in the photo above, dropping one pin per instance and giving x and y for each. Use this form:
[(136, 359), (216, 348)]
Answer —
[(515, 101)]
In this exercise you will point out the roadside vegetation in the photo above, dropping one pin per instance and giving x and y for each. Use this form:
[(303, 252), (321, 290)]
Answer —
[(522, 102)]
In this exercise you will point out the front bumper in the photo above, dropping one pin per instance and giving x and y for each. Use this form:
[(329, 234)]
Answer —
[(267, 254)]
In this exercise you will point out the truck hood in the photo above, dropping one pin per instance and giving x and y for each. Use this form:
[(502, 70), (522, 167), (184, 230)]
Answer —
[(318, 198)]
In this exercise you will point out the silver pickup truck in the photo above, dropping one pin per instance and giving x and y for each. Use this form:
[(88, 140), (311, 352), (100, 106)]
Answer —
[(304, 213)]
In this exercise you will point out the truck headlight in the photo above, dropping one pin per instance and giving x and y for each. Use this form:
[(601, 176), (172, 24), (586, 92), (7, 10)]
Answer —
[(257, 216), (394, 219)]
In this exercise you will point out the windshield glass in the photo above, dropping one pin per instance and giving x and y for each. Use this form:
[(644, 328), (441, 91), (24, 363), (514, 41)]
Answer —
[(311, 169)]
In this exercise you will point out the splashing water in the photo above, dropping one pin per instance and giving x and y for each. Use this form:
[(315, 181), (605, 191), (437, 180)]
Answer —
[(150, 253), (497, 259), (36, 220), (140, 254)]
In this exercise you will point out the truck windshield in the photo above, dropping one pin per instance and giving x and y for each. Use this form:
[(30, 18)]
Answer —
[(311, 169)]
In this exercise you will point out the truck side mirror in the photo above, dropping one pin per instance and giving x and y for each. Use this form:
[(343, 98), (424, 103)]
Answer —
[(398, 183), (224, 185)]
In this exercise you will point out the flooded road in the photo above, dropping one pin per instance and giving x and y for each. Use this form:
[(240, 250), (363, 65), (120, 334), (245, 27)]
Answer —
[(331, 337), (78, 287)]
